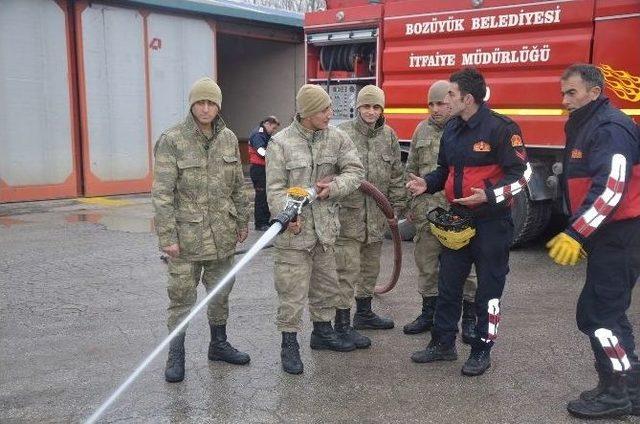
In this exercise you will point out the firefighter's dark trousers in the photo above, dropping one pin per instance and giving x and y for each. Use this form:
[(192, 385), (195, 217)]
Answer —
[(613, 267), (262, 216), (489, 251)]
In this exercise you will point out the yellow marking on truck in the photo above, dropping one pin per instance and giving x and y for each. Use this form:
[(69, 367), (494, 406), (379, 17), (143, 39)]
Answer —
[(513, 112)]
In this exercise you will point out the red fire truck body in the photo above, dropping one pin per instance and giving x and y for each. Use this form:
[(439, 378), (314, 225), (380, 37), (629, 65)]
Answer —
[(521, 47)]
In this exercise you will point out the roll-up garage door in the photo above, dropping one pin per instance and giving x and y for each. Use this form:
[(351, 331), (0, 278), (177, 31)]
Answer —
[(181, 50), (113, 99), (37, 122)]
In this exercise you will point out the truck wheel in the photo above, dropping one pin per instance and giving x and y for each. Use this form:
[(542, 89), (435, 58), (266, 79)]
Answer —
[(529, 218)]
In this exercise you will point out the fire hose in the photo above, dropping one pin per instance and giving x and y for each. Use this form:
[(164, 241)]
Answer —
[(297, 198), (383, 203)]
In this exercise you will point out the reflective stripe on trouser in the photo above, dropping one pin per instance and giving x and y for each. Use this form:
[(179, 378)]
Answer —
[(426, 252), (300, 275), (613, 267), (184, 277), (489, 251), (358, 266)]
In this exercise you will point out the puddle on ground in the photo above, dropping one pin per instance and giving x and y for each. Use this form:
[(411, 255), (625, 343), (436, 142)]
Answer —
[(7, 221), (129, 224), (93, 218)]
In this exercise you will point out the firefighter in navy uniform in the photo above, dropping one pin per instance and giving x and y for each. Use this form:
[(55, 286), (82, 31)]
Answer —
[(601, 177), (481, 164), (258, 141)]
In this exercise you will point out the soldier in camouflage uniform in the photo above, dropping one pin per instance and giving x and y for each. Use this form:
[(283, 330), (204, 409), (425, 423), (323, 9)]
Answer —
[(423, 158), (201, 212), (302, 154), (362, 223)]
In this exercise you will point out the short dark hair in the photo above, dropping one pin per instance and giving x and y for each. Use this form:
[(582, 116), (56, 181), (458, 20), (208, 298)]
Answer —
[(270, 120), (590, 74), (470, 81)]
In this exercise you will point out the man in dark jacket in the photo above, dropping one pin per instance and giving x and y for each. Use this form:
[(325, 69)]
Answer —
[(258, 141), (482, 163), (601, 178)]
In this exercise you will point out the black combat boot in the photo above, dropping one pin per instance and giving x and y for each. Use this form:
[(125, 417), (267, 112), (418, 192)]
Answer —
[(346, 332), (290, 353), (221, 350), (435, 351), (613, 401), (633, 387), (174, 371), (323, 337), (479, 361), (604, 377), (366, 319), (468, 322), (424, 322)]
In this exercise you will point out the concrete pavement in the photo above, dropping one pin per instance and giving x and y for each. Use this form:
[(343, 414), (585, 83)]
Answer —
[(83, 300)]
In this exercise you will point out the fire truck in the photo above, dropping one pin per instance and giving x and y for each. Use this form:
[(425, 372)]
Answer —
[(521, 47)]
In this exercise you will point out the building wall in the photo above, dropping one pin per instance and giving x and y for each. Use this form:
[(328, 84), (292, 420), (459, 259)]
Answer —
[(258, 78), (86, 89)]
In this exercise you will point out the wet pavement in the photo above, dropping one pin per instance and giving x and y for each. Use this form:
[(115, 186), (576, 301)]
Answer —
[(83, 301)]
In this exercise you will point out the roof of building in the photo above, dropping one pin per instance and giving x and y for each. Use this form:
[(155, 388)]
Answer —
[(232, 9)]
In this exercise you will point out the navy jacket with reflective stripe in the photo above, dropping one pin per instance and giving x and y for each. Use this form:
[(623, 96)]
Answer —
[(601, 172), (487, 152)]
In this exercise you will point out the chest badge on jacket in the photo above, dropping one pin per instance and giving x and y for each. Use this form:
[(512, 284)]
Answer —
[(481, 146), (576, 154)]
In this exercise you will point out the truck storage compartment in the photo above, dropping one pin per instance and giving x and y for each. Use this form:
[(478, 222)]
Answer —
[(343, 62)]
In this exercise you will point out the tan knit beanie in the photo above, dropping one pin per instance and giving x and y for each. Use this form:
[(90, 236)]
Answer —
[(205, 89), (438, 91), (370, 95), (311, 99)]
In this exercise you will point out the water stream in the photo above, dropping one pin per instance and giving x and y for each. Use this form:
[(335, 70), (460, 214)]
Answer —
[(262, 242)]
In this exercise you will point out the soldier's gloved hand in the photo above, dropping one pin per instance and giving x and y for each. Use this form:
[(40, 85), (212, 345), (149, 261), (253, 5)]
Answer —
[(295, 226), (565, 250), (241, 235), (172, 250)]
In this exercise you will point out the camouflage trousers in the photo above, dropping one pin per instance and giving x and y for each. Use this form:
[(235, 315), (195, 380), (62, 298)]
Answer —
[(426, 253), (184, 276), (358, 268), (302, 276)]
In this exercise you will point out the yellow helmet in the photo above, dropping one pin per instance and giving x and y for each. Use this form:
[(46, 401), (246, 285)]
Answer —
[(453, 230)]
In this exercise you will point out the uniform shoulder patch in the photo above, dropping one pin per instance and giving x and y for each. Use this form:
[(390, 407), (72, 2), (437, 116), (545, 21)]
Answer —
[(516, 141), (576, 154), (481, 146)]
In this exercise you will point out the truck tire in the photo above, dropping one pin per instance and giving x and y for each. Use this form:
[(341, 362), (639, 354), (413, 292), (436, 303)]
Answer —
[(529, 218)]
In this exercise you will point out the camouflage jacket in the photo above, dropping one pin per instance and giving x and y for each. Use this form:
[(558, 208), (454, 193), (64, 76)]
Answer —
[(423, 158), (379, 151), (197, 190), (297, 156)]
